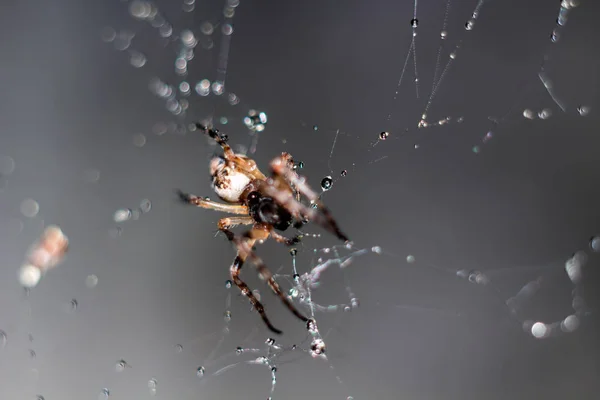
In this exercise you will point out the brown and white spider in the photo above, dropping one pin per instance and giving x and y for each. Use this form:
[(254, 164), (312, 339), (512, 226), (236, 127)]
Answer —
[(268, 204)]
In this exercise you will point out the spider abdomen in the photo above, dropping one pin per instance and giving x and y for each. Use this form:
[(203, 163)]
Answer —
[(264, 210), (229, 184)]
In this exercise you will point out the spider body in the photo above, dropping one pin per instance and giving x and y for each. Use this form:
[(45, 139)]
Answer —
[(268, 204), (264, 210)]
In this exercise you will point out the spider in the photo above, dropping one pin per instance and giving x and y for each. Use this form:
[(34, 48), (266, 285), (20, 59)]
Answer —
[(269, 204)]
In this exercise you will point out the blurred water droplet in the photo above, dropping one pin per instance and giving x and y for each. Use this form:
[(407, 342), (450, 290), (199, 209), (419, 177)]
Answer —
[(7, 165), (529, 114), (545, 113), (200, 372), (91, 175), (115, 232), (3, 339), (595, 244), (410, 259), (145, 206), (137, 59), (179, 348), (104, 394), (539, 330), (227, 29), (108, 34), (121, 365), (207, 28), (583, 110), (122, 215), (139, 140), (29, 208), (91, 281)]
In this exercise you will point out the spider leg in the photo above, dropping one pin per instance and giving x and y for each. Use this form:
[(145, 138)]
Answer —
[(285, 240), (211, 205), (229, 222), (244, 245), (280, 167)]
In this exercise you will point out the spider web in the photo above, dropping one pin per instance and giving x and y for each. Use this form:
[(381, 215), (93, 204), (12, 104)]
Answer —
[(184, 58)]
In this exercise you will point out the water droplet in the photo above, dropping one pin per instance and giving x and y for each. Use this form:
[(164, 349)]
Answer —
[(539, 330), (239, 350), (228, 284), (152, 383), (218, 88), (443, 35), (227, 316), (344, 172), (293, 252), (122, 215), (475, 149), (207, 28), (570, 324), (527, 113), (140, 9), (137, 59), (410, 259), (326, 183), (227, 29), (139, 140), (300, 165), (178, 348), (453, 55), (317, 347), (30, 208), (583, 110), (200, 372), (73, 305), (7, 165), (414, 22), (595, 244), (384, 135), (108, 34), (545, 113), (311, 325), (39, 397), (145, 206), (469, 25), (315, 127), (270, 341), (255, 120)]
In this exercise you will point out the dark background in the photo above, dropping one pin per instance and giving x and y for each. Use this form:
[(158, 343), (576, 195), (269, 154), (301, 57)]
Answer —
[(71, 105)]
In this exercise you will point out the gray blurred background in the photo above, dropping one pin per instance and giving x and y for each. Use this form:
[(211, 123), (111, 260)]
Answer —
[(72, 116)]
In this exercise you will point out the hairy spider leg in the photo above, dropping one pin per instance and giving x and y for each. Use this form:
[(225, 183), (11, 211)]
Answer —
[(212, 205), (280, 167), (244, 250), (285, 240), (230, 222)]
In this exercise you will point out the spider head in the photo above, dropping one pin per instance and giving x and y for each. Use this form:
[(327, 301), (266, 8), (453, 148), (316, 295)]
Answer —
[(265, 210), (217, 163)]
